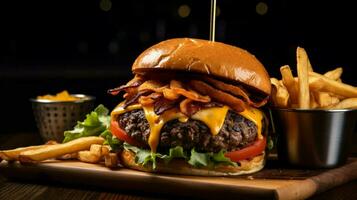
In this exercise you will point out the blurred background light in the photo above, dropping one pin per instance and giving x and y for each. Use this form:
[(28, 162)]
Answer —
[(105, 5), (144, 36), (113, 47), (82, 47), (89, 46), (261, 8), (184, 11)]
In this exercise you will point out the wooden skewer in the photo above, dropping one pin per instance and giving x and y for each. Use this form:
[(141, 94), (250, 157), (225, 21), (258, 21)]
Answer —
[(213, 21)]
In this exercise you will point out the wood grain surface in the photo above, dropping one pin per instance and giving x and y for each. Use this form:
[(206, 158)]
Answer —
[(45, 191), (266, 186), (27, 188)]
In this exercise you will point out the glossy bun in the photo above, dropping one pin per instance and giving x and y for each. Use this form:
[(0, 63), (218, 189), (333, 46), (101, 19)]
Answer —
[(205, 57)]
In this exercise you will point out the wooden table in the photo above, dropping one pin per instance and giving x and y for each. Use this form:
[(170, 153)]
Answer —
[(10, 189)]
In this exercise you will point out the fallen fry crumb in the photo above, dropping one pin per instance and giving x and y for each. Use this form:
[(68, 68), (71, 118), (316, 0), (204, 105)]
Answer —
[(111, 160)]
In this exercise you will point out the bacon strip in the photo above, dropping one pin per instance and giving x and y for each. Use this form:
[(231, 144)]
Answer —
[(170, 94), (150, 99), (232, 89), (197, 94), (189, 107), (134, 98), (162, 104), (210, 104), (235, 103), (153, 85), (179, 88), (135, 82)]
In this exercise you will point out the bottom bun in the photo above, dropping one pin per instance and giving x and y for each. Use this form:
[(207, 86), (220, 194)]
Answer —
[(180, 166)]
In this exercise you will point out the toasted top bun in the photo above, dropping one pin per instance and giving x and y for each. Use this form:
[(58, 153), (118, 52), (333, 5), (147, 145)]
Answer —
[(179, 166), (205, 57)]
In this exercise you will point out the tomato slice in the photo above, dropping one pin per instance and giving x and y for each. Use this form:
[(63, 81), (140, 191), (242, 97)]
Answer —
[(248, 152), (121, 134)]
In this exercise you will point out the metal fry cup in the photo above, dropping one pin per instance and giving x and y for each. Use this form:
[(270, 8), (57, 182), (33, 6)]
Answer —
[(55, 117), (314, 138)]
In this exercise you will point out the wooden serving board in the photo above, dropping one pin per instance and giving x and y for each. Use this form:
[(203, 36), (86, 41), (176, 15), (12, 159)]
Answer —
[(271, 182)]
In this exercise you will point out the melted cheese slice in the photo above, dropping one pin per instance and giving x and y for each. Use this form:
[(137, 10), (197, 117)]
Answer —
[(256, 116), (156, 122), (119, 109), (213, 117)]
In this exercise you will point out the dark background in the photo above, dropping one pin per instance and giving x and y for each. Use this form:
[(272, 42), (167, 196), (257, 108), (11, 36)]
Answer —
[(88, 46)]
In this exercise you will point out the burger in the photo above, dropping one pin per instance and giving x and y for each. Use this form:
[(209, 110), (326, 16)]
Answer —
[(193, 108)]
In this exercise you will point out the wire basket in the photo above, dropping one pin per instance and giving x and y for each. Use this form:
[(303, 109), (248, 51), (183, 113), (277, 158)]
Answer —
[(55, 117)]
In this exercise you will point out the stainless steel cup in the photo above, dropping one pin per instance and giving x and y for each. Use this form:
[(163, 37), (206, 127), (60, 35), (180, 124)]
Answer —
[(55, 117), (313, 138)]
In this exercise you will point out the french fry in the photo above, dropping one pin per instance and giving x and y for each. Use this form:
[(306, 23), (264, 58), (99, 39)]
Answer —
[(13, 154), (313, 102), (96, 149), (302, 69), (95, 153), (309, 66), (88, 156), (283, 96), (51, 142), (328, 85), (105, 150), (280, 93), (313, 90), (302, 52), (111, 160), (324, 99), (288, 81), (334, 74), (281, 83), (337, 96), (57, 150), (68, 156), (346, 103), (334, 100)]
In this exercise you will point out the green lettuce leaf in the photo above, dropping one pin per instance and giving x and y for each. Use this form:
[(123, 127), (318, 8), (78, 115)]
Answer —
[(219, 158), (176, 152), (95, 124), (111, 140), (209, 159), (196, 159), (144, 156)]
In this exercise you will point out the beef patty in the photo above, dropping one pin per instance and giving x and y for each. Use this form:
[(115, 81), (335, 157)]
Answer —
[(235, 133)]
